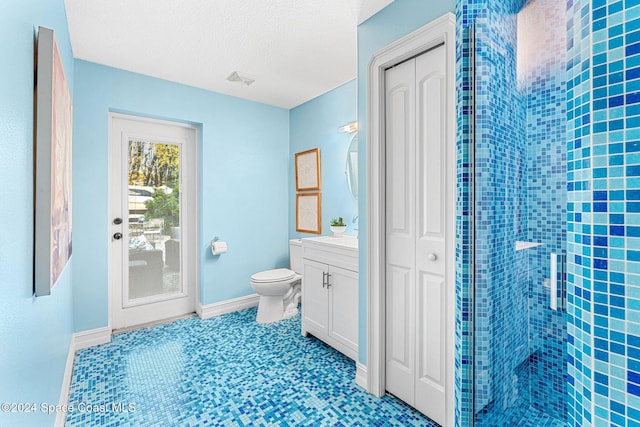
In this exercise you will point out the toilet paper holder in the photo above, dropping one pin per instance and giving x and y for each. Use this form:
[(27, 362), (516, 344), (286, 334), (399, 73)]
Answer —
[(218, 247)]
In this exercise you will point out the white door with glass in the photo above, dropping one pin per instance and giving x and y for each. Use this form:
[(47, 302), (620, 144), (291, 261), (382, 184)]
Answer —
[(418, 224), (152, 214)]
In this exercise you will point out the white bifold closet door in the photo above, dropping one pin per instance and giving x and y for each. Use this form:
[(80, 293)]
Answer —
[(416, 224)]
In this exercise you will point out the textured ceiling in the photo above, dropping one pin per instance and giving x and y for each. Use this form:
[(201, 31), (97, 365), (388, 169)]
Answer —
[(294, 49)]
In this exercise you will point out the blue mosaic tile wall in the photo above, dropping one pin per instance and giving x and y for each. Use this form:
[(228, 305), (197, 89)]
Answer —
[(519, 136), (579, 333), (542, 63), (603, 212), (500, 300), (466, 12)]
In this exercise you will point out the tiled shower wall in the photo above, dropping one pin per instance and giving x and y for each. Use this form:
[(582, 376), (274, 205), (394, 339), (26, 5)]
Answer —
[(542, 62), (580, 325), (501, 321), (604, 212), (520, 188), (466, 12)]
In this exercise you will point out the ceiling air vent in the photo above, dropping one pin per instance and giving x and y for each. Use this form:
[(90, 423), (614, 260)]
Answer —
[(240, 78)]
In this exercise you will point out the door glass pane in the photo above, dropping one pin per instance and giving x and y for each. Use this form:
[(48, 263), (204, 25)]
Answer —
[(154, 219), (520, 182)]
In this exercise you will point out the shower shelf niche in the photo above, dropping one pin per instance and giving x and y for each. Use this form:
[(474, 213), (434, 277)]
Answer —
[(526, 245)]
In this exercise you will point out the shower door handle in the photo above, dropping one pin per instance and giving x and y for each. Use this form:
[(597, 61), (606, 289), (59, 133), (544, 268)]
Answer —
[(558, 281), (553, 282)]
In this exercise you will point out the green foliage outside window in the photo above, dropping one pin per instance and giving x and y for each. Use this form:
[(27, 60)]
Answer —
[(166, 206)]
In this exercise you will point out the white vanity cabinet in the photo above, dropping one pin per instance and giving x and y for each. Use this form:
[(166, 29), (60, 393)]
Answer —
[(330, 292)]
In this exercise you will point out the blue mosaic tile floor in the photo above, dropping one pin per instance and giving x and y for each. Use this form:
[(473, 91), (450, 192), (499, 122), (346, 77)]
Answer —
[(225, 371), (536, 418), (518, 417)]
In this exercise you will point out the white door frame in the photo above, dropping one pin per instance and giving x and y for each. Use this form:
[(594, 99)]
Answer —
[(438, 32), (194, 250)]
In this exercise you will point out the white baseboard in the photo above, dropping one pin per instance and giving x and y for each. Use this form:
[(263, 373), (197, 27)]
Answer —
[(229, 306), (79, 340), (92, 337), (361, 375), (66, 383)]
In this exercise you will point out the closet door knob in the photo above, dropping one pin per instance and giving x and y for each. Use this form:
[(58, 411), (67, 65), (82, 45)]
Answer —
[(432, 257)]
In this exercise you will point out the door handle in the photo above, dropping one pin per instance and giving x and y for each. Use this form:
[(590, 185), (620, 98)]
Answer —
[(117, 221), (432, 257), (328, 282), (553, 282), (324, 279), (117, 236), (558, 282)]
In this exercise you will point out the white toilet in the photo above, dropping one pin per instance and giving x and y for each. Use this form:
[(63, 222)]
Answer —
[(279, 289)]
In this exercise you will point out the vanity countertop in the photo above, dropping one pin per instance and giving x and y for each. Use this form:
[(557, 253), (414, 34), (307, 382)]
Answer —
[(345, 241)]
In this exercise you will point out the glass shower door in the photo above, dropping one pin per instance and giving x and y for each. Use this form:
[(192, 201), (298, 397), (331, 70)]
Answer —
[(520, 177)]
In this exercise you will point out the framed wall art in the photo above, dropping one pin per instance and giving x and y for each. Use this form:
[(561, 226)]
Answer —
[(308, 213), (54, 111), (308, 170)]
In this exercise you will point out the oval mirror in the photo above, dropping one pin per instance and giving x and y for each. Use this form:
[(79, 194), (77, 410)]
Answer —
[(352, 166)]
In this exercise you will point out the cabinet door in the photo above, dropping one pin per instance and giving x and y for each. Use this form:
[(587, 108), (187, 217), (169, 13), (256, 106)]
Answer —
[(343, 307), (314, 298)]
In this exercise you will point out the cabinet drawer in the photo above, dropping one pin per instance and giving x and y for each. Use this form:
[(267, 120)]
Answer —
[(340, 257)]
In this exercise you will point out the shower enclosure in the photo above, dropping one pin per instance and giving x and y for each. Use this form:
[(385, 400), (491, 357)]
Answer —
[(518, 67)]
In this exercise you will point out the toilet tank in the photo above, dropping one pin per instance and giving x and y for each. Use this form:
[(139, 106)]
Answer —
[(295, 255)]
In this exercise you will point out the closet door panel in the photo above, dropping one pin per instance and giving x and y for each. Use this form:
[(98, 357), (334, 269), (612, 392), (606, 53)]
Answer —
[(430, 248), (416, 232), (400, 230)]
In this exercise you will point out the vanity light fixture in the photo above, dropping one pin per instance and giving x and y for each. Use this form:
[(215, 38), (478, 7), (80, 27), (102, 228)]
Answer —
[(350, 128), (237, 77)]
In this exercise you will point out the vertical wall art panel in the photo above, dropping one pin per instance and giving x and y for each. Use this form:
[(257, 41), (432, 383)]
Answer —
[(309, 213), (53, 165), (308, 170)]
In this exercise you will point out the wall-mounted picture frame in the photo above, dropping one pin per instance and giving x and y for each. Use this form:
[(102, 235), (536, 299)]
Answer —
[(308, 170), (309, 213), (53, 139)]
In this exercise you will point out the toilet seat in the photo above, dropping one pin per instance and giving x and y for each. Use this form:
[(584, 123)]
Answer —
[(275, 275)]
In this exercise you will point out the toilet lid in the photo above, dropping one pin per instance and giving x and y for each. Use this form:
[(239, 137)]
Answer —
[(277, 275)]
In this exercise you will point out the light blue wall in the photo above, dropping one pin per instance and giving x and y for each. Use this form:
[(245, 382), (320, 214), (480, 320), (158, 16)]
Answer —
[(34, 332), (244, 181), (315, 124), (393, 22)]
